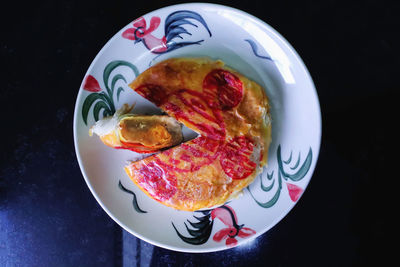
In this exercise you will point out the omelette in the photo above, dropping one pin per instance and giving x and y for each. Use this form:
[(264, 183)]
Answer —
[(139, 133), (231, 115)]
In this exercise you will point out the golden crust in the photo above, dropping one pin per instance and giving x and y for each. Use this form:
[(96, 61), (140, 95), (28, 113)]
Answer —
[(229, 111)]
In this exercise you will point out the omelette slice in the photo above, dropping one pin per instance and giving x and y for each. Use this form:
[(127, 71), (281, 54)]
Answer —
[(231, 115), (139, 133), (196, 174)]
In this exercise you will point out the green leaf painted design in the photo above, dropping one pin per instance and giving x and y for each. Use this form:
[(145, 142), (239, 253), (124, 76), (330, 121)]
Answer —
[(105, 100), (270, 175), (266, 188), (112, 66), (297, 176), (201, 230), (134, 200), (301, 172), (296, 164), (90, 99), (116, 78), (97, 107), (114, 81), (273, 200), (199, 224), (289, 159), (105, 113), (120, 89)]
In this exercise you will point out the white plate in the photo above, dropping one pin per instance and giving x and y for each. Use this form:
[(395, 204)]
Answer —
[(248, 45)]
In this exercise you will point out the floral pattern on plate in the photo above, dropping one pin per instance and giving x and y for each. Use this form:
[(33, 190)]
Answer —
[(200, 231), (173, 29)]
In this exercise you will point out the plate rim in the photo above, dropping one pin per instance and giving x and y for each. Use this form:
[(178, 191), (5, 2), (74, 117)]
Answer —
[(316, 152)]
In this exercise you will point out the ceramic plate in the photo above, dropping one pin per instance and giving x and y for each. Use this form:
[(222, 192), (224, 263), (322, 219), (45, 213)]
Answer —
[(244, 43)]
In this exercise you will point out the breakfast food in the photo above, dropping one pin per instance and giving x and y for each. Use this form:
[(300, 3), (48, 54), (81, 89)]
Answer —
[(139, 133), (231, 115)]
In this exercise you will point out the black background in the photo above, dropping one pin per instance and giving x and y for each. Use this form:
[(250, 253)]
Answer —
[(48, 217)]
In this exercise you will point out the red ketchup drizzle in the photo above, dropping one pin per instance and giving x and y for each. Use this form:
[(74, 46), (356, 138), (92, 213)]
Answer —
[(224, 86), (188, 98), (203, 149), (235, 158), (137, 150), (156, 182), (222, 90), (198, 153), (196, 104), (214, 128), (152, 92)]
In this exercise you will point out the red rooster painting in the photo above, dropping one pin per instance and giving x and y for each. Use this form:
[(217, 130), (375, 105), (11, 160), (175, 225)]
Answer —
[(173, 31), (201, 230)]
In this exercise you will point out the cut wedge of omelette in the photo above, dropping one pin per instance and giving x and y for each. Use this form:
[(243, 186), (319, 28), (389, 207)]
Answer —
[(139, 133), (231, 115)]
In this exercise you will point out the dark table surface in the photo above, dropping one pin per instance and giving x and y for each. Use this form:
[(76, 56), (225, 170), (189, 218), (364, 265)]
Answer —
[(48, 217)]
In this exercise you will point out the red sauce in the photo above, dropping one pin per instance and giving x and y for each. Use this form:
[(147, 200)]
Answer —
[(188, 98), (207, 143), (136, 149), (200, 111), (186, 157), (152, 92), (222, 90), (170, 168), (195, 154), (156, 182), (173, 161), (224, 86), (235, 158)]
